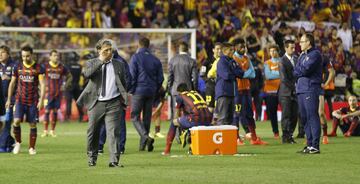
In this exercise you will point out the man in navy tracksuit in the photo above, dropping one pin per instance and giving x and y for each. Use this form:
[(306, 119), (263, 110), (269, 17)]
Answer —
[(226, 87), (147, 78), (308, 71)]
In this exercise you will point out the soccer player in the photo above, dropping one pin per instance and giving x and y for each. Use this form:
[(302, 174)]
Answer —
[(271, 87), (243, 105), (349, 116), (194, 112), (27, 75), (55, 72), (328, 79), (6, 71), (158, 103)]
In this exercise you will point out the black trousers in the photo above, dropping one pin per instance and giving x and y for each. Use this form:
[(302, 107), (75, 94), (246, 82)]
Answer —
[(272, 102), (289, 115)]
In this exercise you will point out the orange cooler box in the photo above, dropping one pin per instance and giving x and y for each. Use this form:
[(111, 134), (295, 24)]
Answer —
[(210, 140)]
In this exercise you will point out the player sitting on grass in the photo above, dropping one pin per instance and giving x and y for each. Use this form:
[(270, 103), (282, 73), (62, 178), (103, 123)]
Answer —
[(191, 110), (350, 119)]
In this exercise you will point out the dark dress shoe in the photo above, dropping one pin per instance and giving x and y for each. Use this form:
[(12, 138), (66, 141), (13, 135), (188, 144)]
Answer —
[(150, 144), (115, 164)]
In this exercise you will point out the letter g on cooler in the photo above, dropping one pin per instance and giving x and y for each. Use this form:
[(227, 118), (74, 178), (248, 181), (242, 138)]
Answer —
[(217, 138)]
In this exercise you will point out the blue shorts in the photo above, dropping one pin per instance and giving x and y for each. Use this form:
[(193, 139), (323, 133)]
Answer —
[(53, 104), (186, 124), (31, 112)]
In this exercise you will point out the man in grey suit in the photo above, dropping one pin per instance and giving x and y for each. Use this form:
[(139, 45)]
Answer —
[(104, 97), (287, 94), (182, 69)]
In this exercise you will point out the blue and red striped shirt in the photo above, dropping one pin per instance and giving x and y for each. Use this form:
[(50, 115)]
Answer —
[(28, 83), (194, 107), (54, 79)]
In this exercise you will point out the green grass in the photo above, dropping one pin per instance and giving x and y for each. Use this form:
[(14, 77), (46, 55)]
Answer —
[(63, 160)]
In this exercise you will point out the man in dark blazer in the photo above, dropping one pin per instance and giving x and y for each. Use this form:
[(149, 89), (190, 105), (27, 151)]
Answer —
[(182, 69), (104, 97), (287, 93)]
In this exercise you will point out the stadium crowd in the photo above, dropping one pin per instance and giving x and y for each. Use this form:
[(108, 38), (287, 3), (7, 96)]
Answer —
[(260, 32), (260, 22)]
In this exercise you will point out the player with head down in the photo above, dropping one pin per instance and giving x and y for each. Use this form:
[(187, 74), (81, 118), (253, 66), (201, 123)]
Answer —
[(191, 110)]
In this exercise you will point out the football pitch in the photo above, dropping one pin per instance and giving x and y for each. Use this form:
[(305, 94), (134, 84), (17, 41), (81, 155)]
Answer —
[(63, 160)]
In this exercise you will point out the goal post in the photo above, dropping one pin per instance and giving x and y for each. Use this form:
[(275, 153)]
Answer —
[(82, 41), (21, 34)]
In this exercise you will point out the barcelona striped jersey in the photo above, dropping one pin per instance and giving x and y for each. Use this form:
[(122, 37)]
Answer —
[(194, 107), (54, 75), (27, 91)]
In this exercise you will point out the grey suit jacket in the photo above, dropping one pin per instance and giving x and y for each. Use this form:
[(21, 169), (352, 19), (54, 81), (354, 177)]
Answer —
[(92, 71), (287, 84), (182, 69)]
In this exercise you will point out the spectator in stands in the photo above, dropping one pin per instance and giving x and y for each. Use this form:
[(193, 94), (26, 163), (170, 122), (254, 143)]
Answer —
[(5, 17), (266, 39), (92, 15), (346, 36)]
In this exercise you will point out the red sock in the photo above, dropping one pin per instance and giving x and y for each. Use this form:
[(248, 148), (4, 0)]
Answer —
[(253, 132), (46, 125), (335, 124), (324, 128), (17, 133), (170, 138), (53, 125), (353, 126), (32, 138)]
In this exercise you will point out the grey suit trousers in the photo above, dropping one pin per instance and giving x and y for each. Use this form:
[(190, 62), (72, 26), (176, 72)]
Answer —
[(110, 113)]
